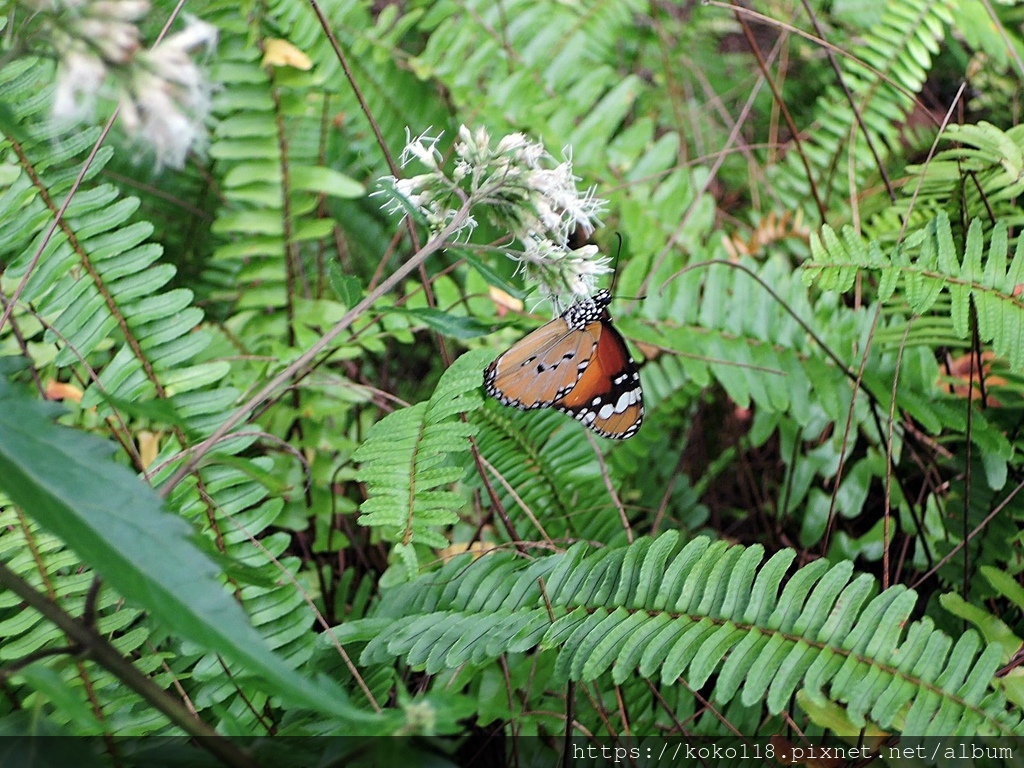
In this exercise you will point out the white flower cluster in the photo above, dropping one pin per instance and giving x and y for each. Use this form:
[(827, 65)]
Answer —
[(521, 188), (163, 96)]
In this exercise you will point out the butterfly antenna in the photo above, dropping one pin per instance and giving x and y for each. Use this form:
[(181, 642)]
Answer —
[(615, 264), (615, 273)]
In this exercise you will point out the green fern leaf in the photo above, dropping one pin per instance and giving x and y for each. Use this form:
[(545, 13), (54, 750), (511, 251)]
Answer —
[(884, 72), (822, 635), (405, 460), (976, 278), (649, 628)]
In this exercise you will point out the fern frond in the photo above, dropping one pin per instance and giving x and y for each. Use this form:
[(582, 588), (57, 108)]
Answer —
[(882, 76), (980, 177), (96, 275), (542, 466), (99, 293), (704, 612), (993, 158), (930, 263), (408, 460), (274, 185), (563, 56)]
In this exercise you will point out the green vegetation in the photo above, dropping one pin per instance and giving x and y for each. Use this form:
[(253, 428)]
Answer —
[(275, 500)]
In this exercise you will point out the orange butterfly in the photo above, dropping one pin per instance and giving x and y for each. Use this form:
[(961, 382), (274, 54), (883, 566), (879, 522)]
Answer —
[(577, 364)]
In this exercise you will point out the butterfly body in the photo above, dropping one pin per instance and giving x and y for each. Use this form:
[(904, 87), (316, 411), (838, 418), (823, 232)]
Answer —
[(577, 364)]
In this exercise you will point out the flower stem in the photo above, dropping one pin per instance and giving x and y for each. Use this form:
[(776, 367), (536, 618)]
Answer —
[(196, 453)]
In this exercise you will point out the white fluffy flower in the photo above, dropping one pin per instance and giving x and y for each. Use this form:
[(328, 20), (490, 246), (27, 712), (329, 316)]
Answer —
[(163, 96), (521, 188), (80, 75), (422, 148), (167, 99)]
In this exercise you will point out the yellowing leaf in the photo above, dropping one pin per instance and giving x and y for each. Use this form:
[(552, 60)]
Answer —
[(281, 53), (149, 446), (504, 301), (58, 390)]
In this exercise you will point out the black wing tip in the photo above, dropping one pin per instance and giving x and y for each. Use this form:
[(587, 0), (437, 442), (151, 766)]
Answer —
[(630, 431)]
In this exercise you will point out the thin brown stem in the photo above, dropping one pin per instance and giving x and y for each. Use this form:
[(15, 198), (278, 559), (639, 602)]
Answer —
[(106, 655), (295, 368)]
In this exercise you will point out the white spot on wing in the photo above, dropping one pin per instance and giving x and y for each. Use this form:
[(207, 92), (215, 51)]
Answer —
[(625, 400)]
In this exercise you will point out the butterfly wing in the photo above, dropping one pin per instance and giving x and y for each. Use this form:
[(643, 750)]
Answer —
[(543, 366), (580, 365), (607, 398)]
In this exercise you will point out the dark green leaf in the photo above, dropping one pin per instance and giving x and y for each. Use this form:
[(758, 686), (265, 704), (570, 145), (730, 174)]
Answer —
[(347, 288), (452, 326), (66, 480)]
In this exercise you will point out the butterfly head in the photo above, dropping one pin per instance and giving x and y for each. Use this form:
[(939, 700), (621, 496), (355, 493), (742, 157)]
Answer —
[(589, 310)]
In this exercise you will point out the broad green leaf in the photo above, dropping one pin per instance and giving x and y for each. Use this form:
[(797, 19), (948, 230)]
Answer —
[(326, 181), (453, 326), (66, 480), (347, 288), (1004, 584)]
